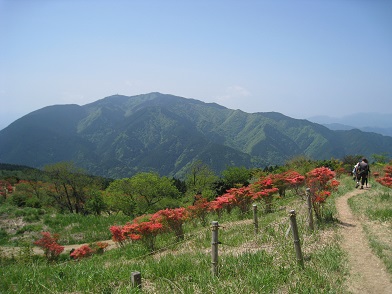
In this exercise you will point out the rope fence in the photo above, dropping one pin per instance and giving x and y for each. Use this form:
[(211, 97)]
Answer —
[(272, 233), (258, 234)]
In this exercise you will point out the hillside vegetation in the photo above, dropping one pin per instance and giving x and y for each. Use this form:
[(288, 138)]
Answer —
[(261, 261), (119, 136)]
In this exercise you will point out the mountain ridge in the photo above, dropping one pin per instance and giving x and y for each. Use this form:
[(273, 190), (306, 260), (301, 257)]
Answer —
[(118, 136)]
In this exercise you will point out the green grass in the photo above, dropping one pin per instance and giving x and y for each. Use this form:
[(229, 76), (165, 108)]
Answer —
[(73, 228), (263, 271), (382, 248), (248, 263), (375, 207)]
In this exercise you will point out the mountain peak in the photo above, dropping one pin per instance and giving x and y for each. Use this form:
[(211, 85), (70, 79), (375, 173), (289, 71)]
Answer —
[(119, 135)]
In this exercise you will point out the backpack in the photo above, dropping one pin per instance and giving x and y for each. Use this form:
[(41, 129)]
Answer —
[(355, 170), (363, 168)]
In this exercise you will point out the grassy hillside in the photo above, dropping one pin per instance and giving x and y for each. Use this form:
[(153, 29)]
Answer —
[(248, 263)]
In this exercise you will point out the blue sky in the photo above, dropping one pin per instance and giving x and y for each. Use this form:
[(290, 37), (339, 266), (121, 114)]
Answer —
[(300, 58)]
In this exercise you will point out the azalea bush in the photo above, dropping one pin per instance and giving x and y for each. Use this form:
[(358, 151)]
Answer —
[(99, 247), (145, 231), (225, 201), (118, 235), (243, 197), (49, 244), (293, 179), (139, 229), (88, 250), (287, 180), (81, 252), (238, 197), (386, 180), (264, 189), (147, 227), (173, 219), (321, 182), (199, 210)]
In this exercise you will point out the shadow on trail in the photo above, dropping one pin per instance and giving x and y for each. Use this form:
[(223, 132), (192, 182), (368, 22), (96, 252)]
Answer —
[(344, 224)]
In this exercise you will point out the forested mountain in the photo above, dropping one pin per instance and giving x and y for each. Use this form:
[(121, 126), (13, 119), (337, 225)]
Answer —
[(119, 136)]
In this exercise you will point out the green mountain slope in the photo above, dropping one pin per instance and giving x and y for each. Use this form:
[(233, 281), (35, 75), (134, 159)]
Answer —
[(118, 136)]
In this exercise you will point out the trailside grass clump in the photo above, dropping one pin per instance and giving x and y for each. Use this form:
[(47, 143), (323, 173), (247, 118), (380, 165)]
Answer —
[(23, 225), (76, 228), (375, 208), (248, 263)]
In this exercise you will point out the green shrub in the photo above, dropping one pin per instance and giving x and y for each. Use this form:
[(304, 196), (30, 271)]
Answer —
[(3, 236), (33, 202), (19, 199), (29, 228), (95, 205)]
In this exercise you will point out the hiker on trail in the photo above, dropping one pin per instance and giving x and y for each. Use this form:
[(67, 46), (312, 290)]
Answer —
[(362, 172)]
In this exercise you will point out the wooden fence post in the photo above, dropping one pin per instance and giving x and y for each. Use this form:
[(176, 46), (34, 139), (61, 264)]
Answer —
[(136, 279), (214, 248), (310, 211), (255, 219), (297, 245)]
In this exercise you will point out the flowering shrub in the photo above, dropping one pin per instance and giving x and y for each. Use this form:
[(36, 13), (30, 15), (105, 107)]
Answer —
[(147, 228), (240, 197), (88, 250), (81, 252), (99, 247), (293, 179), (225, 201), (199, 209), (386, 180), (50, 246), (117, 234), (139, 229), (146, 232), (264, 189), (321, 183), (244, 196), (173, 219)]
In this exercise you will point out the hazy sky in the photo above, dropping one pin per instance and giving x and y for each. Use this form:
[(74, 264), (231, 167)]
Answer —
[(300, 58)]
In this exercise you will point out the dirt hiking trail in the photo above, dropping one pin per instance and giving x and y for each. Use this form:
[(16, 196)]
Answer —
[(367, 272)]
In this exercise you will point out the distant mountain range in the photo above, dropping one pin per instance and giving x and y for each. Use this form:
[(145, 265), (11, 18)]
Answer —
[(119, 136), (367, 122)]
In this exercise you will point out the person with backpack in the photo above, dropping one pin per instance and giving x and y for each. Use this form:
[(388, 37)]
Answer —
[(362, 172)]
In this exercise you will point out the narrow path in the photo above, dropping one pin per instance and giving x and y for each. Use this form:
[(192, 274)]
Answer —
[(367, 272)]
